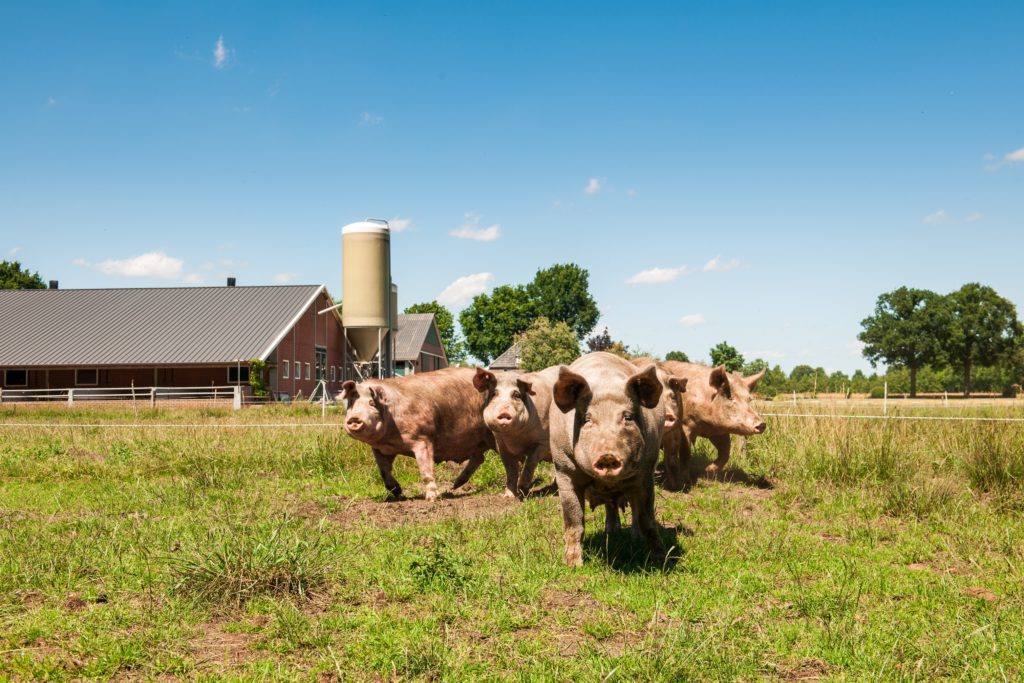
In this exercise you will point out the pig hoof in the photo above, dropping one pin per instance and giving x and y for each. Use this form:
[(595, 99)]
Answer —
[(574, 556), (711, 470), (507, 493), (430, 494)]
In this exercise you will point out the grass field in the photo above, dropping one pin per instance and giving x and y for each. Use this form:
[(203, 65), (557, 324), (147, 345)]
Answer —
[(837, 549)]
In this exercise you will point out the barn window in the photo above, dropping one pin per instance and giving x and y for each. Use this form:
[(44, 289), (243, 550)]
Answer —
[(234, 372), (333, 373), (284, 372), (307, 371), (15, 378), (86, 377)]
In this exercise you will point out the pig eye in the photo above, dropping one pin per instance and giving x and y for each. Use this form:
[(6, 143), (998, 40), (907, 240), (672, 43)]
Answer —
[(588, 417), (627, 416), (517, 396)]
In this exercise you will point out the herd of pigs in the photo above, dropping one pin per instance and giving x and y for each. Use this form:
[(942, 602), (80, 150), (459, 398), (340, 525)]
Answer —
[(601, 421)]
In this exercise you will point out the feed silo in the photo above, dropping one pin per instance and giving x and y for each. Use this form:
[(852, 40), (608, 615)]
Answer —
[(366, 292)]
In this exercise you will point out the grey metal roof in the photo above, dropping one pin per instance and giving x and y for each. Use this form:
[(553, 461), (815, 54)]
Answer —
[(165, 326), (509, 360), (412, 333)]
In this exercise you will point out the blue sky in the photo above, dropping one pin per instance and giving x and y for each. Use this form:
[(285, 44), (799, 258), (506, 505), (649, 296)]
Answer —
[(750, 172)]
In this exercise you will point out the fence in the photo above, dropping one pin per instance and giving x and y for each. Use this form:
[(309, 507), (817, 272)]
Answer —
[(151, 395)]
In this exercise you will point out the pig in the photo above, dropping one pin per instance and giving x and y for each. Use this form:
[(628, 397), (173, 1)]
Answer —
[(433, 416), (516, 410), (716, 404), (607, 421), (672, 438)]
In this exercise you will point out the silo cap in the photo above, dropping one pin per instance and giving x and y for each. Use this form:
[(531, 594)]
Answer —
[(377, 225)]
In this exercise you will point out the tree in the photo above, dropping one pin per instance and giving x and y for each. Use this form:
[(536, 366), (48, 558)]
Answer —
[(726, 355), (906, 330), (491, 322), (545, 344), (454, 347), (983, 329), (600, 342), (677, 355), (13, 276), (561, 293)]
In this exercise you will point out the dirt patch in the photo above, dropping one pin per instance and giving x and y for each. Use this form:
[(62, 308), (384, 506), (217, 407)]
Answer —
[(87, 455), (75, 603), (809, 669), (981, 593), (363, 512), (553, 598), (215, 645)]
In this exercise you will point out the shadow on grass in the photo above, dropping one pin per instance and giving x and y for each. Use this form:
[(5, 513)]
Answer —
[(730, 475), (626, 553)]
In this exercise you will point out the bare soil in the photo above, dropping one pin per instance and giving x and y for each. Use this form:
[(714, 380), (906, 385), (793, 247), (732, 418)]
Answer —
[(358, 512)]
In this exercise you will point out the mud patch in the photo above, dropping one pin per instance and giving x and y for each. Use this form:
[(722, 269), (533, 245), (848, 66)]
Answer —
[(215, 645), (355, 513), (809, 669), (981, 593)]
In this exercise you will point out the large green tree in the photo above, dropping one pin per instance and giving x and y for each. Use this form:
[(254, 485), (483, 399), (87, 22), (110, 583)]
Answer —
[(545, 344), (983, 330), (724, 354), (677, 355), (561, 293), (492, 321), (454, 347), (907, 329), (13, 276)]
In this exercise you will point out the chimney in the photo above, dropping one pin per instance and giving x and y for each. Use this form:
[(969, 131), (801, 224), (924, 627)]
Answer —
[(231, 282), (53, 284)]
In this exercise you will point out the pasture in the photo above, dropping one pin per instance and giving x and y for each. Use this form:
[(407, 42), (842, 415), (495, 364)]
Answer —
[(186, 548)]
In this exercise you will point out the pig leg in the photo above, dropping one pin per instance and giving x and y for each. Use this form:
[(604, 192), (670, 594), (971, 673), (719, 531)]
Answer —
[(611, 518), (721, 444), (670, 443), (529, 469), (386, 464), (511, 464), (571, 497), (424, 452), (641, 501), (471, 466), (684, 452)]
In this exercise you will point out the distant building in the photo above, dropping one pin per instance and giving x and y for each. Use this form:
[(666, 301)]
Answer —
[(170, 337), (509, 360), (418, 345)]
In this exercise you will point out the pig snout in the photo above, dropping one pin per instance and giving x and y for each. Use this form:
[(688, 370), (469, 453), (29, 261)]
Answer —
[(607, 465), (504, 418), (354, 424), (759, 427)]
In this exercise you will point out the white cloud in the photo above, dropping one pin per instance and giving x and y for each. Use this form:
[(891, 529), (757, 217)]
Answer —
[(462, 291), (1016, 155), (368, 119), (13, 251), (192, 279), (399, 224), (469, 230), (283, 278), (939, 216), (631, 192), (716, 265), (974, 217), (151, 264), (593, 186), (692, 320), (220, 53), (654, 276)]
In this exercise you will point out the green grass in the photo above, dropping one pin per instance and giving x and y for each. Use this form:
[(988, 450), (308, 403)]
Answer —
[(890, 550)]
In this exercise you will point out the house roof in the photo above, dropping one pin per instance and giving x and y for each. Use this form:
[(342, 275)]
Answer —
[(412, 334), (147, 326), (509, 360)]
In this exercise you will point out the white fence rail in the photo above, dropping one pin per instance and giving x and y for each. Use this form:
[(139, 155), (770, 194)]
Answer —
[(151, 395)]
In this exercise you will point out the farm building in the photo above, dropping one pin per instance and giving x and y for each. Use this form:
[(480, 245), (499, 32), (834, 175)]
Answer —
[(170, 337), (508, 360), (418, 345)]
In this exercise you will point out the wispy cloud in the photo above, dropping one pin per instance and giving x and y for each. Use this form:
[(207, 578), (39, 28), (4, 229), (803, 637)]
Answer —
[(462, 291), (692, 320), (654, 276), (773, 355), (1015, 156), (51, 102), (974, 217), (469, 230), (399, 224), (283, 278), (717, 265), (221, 53), (854, 348), (368, 119), (939, 216), (631, 192), (192, 279), (151, 264), (593, 186), (13, 251)]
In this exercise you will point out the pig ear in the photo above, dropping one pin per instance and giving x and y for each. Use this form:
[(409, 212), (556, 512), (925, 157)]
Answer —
[(526, 386), (569, 389), (752, 381), (720, 379), (647, 387), (347, 387), (484, 380), (678, 384)]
